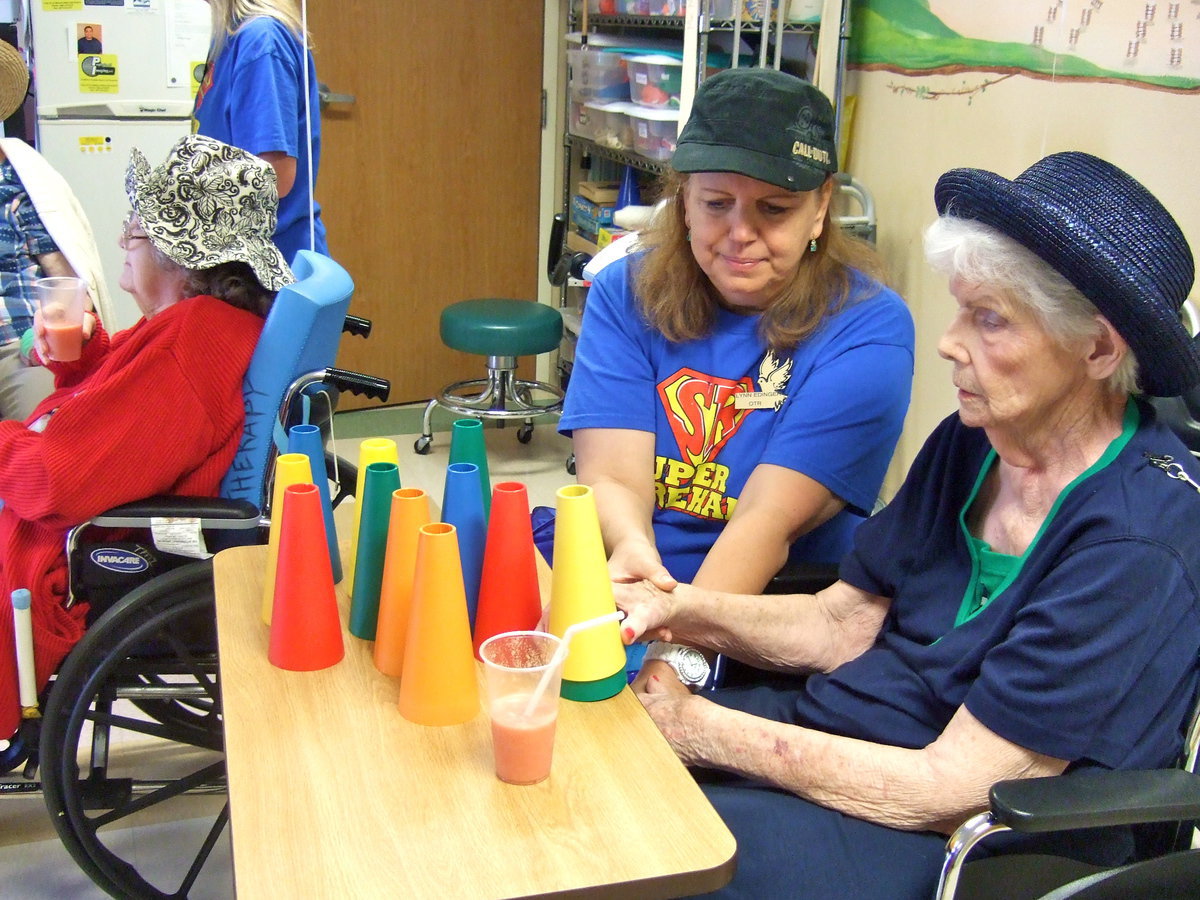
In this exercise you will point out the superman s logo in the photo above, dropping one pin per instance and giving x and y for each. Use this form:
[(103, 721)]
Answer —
[(701, 413)]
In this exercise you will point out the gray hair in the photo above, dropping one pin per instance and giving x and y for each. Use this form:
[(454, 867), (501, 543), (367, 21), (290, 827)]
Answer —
[(233, 282), (979, 254)]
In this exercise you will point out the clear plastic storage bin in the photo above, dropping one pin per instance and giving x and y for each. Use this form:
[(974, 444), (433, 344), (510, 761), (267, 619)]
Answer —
[(655, 80), (594, 75), (654, 131), (611, 124)]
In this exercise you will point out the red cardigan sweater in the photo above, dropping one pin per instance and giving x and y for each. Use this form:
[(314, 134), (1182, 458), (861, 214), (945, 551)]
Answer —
[(156, 409)]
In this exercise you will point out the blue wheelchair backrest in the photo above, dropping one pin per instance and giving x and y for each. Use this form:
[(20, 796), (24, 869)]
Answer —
[(300, 335)]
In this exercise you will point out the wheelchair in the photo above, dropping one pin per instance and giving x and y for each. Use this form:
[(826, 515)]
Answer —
[(131, 731)]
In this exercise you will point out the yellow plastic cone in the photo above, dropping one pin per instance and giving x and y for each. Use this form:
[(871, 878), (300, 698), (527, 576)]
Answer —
[(580, 589), (369, 451), (439, 684), (290, 468), (410, 510)]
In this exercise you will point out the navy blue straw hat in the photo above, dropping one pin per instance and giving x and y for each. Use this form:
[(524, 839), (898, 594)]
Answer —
[(1109, 237)]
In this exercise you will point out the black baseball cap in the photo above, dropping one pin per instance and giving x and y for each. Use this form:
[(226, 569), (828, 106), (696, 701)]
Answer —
[(761, 123)]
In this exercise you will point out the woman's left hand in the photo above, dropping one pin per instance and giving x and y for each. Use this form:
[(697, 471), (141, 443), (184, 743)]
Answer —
[(679, 716)]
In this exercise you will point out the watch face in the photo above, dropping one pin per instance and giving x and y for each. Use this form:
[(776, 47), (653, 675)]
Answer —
[(693, 667)]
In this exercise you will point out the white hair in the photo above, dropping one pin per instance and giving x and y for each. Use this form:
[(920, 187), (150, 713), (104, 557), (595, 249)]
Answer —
[(979, 254)]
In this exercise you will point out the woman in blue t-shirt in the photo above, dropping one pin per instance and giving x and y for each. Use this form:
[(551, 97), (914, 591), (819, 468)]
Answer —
[(259, 93), (741, 380)]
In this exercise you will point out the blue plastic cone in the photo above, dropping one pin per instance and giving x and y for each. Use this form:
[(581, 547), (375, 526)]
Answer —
[(467, 445), (306, 439), (462, 507)]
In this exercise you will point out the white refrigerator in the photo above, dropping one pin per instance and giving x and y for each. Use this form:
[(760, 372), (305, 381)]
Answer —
[(109, 75)]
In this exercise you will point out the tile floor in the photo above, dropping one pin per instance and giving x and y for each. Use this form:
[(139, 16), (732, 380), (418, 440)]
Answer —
[(34, 863)]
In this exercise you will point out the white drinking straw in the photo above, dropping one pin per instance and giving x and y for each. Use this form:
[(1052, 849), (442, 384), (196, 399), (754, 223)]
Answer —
[(561, 652)]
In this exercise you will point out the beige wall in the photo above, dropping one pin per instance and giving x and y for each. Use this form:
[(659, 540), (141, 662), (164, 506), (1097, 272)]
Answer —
[(901, 143)]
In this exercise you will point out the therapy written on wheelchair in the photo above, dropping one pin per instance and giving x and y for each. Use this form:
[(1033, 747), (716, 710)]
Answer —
[(131, 725)]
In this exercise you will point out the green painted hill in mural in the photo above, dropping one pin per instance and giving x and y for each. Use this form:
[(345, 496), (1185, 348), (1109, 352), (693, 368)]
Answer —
[(904, 35)]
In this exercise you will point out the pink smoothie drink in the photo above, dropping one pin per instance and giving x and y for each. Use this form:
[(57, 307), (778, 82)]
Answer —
[(524, 745), (65, 340)]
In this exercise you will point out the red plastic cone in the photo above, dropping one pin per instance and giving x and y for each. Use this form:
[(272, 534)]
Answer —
[(509, 596), (306, 630)]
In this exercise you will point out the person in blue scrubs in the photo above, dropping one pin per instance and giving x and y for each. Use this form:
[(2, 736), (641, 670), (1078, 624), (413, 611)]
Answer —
[(253, 96), (1026, 605)]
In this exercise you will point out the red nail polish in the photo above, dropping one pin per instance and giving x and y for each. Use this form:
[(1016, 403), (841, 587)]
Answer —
[(627, 633)]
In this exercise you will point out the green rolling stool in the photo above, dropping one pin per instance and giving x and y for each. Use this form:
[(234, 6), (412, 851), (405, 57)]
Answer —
[(501, 330)]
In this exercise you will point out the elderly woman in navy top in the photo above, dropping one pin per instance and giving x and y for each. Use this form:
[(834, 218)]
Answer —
[(1028, 602)]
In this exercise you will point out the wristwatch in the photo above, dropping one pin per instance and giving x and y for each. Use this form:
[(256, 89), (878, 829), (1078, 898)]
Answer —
[(689, 663)]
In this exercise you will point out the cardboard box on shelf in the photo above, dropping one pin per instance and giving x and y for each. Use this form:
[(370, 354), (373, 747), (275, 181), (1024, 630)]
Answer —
[(577, 242), (603, 192), (599, 213), (607, 234)]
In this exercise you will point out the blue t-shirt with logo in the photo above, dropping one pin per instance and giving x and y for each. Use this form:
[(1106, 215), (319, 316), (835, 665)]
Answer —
[(846, 390)]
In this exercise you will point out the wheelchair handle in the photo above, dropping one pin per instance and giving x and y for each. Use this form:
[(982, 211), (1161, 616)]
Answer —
[(357, 326), (357, 383)]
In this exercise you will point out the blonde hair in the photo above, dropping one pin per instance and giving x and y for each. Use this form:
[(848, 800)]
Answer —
[(677, 298), (228, 16)]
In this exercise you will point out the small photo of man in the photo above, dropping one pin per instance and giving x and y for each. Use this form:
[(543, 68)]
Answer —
[(89, 39)]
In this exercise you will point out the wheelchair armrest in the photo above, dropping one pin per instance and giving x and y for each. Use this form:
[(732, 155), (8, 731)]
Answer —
[(213, 512), (1096, 799)]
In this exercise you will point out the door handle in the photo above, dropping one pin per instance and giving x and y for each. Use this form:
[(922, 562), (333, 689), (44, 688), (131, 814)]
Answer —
[(326, 96)]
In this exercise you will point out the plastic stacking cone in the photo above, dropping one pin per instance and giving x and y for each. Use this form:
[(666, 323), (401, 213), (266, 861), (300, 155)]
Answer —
[(369, 451), (580, 589), (410, 510), (509, 596), (290, 468), (462, 507), (438, 686), (382, 480), (628, 194), (306, 631), (306, 439), (467, 445)]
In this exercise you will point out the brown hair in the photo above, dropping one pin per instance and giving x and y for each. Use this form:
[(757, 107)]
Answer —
[(678, 299), (233, 282)]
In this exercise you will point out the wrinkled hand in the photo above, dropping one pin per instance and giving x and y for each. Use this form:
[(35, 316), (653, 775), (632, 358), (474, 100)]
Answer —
[(647, 608), (39, 334), (680, 718)]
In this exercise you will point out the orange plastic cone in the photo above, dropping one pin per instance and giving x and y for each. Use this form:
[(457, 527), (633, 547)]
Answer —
[(439, 684), (580, 589), (306, 630), (290, 468), (410, 510), (369, 451), (509, 596)]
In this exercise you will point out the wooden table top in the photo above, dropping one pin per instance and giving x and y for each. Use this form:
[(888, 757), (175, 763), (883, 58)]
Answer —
[(334, 794)]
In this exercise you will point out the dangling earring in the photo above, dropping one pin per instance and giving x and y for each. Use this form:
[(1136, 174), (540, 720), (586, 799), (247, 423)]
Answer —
[(688, 237), (812, 246)]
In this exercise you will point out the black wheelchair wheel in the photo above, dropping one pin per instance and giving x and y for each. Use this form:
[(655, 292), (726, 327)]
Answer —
[(132, 736)]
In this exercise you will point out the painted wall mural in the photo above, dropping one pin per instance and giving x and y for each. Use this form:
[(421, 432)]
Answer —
[(1141, 43)]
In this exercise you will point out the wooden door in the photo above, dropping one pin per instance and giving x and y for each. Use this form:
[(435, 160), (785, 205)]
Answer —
[(429, 180)]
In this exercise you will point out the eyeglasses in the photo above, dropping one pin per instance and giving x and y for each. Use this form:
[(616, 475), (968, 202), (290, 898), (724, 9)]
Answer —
[(128, 235)]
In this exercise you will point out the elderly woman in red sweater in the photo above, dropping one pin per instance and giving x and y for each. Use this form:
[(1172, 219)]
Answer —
[(155, 409)]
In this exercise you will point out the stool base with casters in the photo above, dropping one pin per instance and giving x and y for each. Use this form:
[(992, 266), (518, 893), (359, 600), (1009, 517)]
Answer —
[(501, 331)]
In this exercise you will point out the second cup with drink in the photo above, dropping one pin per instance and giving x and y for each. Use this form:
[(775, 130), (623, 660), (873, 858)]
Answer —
[(63, 301), (515, 663)]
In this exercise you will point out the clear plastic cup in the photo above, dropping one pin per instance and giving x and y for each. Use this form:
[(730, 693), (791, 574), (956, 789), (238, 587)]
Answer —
[(522, 738), (62, 301)]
